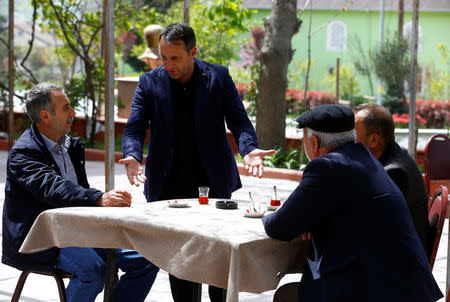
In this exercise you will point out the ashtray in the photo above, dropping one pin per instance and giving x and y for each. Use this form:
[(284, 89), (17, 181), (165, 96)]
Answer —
[(273, 208), (253, 214), (176, 204), (226, 205)]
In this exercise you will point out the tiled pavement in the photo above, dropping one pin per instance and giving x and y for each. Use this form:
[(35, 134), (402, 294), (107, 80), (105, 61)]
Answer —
[(41, 288)]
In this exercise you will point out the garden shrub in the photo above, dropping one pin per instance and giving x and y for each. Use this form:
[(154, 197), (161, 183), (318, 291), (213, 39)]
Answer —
[(294, 98), (402, 120), (295, 103), (430, 114), (348, 85), (241, 88), (286, 159), (436, 113)]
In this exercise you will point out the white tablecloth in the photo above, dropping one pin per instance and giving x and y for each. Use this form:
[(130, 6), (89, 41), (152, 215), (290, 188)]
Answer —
[(198, 243)]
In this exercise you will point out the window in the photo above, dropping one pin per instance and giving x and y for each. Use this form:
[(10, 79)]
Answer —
[(407, 33), (336, 36)]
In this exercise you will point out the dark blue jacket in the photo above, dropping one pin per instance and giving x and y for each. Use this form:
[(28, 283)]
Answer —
[(33, 185), (362, 228), (216, 101)]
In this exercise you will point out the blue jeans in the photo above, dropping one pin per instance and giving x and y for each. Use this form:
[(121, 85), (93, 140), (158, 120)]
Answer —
[(88, 266)]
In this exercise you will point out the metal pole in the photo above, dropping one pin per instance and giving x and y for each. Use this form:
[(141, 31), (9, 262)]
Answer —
[(11, 74), (108, 46), (412, 137), (337, 80), (380, 88), (186, 12), (109, 93)]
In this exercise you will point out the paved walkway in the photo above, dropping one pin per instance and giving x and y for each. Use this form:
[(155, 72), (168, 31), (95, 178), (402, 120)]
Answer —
[(41, 288)]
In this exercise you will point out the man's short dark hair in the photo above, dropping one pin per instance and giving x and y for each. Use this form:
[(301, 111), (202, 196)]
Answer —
[(39, 98), (179, 32), (377, 119)]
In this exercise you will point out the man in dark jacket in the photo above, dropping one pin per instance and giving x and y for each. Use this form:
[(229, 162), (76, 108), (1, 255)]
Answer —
[(186, 102), (45, 170), (375, 128), (364, 246)]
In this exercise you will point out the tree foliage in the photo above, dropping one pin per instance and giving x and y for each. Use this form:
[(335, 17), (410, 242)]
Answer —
[(21, 55), (161, 6), (392, 65), (392, 62), (250, 67), (3, 71), (216, 25), (79, 25), (362, 63), (348, 85), (3, 46), (440, 81)]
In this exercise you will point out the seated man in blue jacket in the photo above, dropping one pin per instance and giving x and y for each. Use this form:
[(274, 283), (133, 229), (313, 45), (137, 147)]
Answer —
[(46, 170), (364, 246)]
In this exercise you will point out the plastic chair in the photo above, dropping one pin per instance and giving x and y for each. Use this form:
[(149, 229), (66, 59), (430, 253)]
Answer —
[(436, 217), (57, 274), (437, 159)]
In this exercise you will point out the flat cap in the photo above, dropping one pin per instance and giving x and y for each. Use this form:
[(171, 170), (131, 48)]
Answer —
[(328, 118)]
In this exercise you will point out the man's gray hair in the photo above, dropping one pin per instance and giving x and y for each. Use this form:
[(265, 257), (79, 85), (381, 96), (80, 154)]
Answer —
[(335, 140), (39, 98)]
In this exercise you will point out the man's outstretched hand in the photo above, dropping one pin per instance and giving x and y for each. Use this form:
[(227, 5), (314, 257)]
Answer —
[(253, 161), (135, 172)]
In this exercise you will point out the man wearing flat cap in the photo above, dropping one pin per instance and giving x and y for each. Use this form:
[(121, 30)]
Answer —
[(364, 246)]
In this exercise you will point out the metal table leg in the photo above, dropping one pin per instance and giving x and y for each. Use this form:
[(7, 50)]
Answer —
[(110, 275)]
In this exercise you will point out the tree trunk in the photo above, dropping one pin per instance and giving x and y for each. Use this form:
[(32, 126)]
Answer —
[(186, 11), (413, 129), (11, 72), (400, 19), (90, 92), (308, 67), (276, 54)]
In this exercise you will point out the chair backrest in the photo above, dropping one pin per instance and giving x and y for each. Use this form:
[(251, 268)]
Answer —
[(436, 218), (437, 157)]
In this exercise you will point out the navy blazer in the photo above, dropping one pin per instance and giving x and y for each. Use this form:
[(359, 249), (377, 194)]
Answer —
[(362, 228), (34, 184), (216, 101)]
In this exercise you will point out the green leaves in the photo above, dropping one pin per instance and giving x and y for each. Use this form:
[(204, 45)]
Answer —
[(287, 159), (392, 62), (348, 85), (216, 25)]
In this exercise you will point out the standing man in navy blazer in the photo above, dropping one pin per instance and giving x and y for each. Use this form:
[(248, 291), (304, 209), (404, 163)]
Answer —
[(364, 244), (186, 103)]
